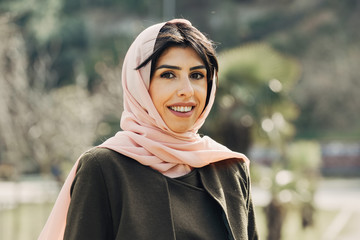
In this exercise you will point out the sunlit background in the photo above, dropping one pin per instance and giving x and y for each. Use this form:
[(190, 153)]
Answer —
[(288, 97)]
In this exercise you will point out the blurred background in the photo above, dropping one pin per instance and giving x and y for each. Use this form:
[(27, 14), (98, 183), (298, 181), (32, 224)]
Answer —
[(288, 97)]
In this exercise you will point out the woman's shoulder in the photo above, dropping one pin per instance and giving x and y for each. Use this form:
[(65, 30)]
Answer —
[(100, 157), (231, 169), (234, 164), (110, 161), (229, 174), (99, 153)]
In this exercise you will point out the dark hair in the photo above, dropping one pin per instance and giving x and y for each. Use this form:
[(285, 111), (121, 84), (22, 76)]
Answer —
[(184, 35)]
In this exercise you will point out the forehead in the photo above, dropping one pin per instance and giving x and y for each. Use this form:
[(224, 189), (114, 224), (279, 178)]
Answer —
[(178, 54)]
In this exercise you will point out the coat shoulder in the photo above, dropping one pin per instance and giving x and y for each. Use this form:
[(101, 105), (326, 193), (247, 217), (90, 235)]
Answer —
[(234, 165), (101, 157)]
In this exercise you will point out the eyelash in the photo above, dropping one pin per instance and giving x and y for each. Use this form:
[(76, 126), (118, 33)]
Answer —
[(170, 75), (167, 75), (199, 75)]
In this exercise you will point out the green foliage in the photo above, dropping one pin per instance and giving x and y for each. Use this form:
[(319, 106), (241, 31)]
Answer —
[(255, 81), (41, 18), (267, 22), (135, 7), (255, 64), (304, 156)]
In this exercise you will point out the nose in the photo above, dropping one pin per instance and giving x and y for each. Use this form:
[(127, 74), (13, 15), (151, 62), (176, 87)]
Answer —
[(185, 88)]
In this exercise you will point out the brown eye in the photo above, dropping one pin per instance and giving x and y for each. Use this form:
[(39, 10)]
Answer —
[(197, 76), (167, 75)]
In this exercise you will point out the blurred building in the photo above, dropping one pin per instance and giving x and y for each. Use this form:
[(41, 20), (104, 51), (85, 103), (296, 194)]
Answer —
[(340, 159)]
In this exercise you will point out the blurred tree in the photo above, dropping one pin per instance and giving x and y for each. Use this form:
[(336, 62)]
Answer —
[(40, 129), (47, 29), (75, 33), (14, 108), (327, 43), (254, 85), (292, 188), (253, 105), (71, 37)]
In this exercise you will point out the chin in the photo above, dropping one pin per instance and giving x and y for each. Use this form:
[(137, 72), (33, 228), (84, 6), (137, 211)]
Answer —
[(180, 129)]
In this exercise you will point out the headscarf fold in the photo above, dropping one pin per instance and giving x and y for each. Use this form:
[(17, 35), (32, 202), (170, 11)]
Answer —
[(145, 137)]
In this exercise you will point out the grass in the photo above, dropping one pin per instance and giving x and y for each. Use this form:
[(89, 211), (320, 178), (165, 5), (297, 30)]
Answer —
[(23, 222), (292, 228)]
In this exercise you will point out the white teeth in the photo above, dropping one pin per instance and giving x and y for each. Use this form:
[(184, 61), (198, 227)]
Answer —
[(181, 108)]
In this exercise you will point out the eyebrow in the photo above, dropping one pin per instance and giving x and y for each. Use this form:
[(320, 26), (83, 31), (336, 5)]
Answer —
[(198, 67), (179, 68), (168, 66)]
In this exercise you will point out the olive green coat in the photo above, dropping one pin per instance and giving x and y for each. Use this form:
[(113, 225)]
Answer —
[(115, 197)]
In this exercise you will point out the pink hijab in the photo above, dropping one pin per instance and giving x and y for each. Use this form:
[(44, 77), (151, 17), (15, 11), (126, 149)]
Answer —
[(145, 136)]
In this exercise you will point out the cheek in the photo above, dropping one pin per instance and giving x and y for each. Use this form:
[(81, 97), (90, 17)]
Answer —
[(152, 93), (202, 93), (157, 95)]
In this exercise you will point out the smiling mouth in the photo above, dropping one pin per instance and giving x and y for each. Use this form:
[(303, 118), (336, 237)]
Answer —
[(182, 109)]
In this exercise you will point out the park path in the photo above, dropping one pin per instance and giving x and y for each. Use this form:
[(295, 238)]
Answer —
[(342, 195)]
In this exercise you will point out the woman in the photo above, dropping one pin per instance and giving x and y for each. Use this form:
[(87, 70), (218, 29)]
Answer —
[(158, 179)]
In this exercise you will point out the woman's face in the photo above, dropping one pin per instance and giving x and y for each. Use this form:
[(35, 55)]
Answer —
[(178, 87)]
